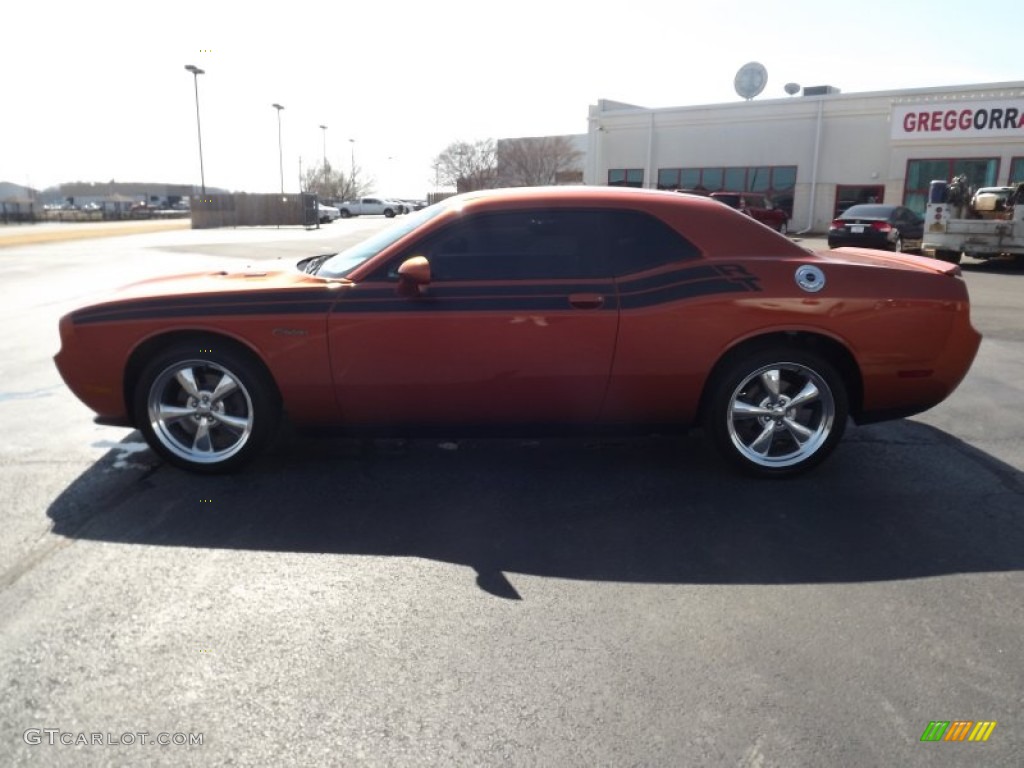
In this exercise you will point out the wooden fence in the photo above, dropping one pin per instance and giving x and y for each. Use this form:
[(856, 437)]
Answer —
[(245, 210)]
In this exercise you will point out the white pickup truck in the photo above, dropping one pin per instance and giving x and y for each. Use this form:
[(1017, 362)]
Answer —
[(370, 206), (990, 225)]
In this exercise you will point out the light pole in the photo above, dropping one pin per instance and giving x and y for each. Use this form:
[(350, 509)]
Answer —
[(352, 167), (196, 72), (280, 153), (324, 129)]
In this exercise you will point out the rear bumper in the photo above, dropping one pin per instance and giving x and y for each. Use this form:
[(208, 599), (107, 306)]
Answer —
[(878, 241), (915, 387)]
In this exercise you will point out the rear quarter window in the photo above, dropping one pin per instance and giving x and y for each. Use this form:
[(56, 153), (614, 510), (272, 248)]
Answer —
[(639, 241)]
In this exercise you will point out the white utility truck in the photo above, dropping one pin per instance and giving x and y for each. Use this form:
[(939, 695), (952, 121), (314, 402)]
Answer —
[(984, 224)]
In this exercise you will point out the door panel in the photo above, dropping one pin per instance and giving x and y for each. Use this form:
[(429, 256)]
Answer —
[(518, 326)]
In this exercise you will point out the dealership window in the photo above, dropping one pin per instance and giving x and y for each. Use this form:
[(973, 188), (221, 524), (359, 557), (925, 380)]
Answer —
[(776, 181), (980, 172), (625, 177), (1016, 170)]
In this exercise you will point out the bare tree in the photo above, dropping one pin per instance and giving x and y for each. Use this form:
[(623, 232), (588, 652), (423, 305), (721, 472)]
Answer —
[(330, 184), (467, 166), (532, 162)]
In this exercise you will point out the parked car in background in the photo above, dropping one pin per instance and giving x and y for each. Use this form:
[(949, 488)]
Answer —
[(326, 213), (553, 309), (370, 206), (873, 225), (757, 207)]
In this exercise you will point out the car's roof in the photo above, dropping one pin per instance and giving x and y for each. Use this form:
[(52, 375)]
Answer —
[(717, 230), (569, 193)]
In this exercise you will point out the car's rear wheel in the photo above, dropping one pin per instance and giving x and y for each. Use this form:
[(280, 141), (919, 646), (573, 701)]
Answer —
[(897, 244), (953, 257), (784, 228), (206, 406), (777, 411)]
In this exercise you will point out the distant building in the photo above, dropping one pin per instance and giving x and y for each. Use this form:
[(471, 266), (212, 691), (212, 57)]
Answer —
[(114, 194), (818, 153), (17, 203)]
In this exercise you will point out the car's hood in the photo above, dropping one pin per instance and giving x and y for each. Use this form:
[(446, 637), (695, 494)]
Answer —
[(869, 257), (192, 283)]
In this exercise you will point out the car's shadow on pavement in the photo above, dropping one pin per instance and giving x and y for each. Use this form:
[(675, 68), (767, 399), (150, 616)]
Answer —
[(897, 501), (1011, 266)]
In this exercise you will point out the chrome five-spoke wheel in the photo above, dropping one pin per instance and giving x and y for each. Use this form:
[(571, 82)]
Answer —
[(200, 412), (207, 413), (778, 412)]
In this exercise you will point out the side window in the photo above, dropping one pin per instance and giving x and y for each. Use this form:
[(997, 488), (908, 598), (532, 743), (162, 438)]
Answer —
[(639, 241), (522, 245)]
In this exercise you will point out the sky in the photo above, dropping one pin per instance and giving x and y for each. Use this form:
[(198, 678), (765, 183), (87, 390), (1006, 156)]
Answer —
[(95, 91)]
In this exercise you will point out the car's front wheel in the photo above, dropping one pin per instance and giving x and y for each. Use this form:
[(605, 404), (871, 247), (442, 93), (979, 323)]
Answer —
[(389, 213), (777, 411), (206, 406)]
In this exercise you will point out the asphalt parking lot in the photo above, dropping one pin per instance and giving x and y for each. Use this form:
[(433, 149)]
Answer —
[(554, 602)]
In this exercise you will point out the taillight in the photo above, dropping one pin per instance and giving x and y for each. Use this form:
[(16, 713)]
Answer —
[(837, 224), (881, 226)]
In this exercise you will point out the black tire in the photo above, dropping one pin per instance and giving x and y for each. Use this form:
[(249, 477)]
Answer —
[(953, 257), (793, 439), (344, 213), (388, 213), (191, 429), (897, 246)]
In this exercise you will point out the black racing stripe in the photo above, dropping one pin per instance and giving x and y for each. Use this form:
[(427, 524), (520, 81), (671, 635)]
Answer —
[(545, 297), (119, 314), (479, 291), (242, 303), (433, 303), (668, 278), (681, 291)]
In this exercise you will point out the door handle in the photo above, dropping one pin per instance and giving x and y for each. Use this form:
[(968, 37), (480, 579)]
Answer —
[(586, 300)]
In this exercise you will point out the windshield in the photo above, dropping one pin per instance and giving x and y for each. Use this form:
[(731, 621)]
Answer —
[(868, 212), (341, 264)]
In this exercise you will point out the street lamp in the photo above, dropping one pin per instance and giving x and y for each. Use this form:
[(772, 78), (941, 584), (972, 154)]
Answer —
[(280, 153), (196, 72), (324, 129), (352, 169)]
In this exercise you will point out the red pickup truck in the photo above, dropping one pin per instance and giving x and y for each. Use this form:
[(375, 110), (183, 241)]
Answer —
[(757, 206)]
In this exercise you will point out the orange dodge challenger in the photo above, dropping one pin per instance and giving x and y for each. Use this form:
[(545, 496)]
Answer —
[(533, 310)]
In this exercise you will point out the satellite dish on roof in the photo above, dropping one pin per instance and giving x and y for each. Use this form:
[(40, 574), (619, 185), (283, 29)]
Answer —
[(792, 88), (750, 80)]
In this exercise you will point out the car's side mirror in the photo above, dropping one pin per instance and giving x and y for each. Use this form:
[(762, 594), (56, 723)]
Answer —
[(413, 276)]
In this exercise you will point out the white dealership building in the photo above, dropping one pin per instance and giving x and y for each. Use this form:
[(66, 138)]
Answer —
[(816, 153)]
